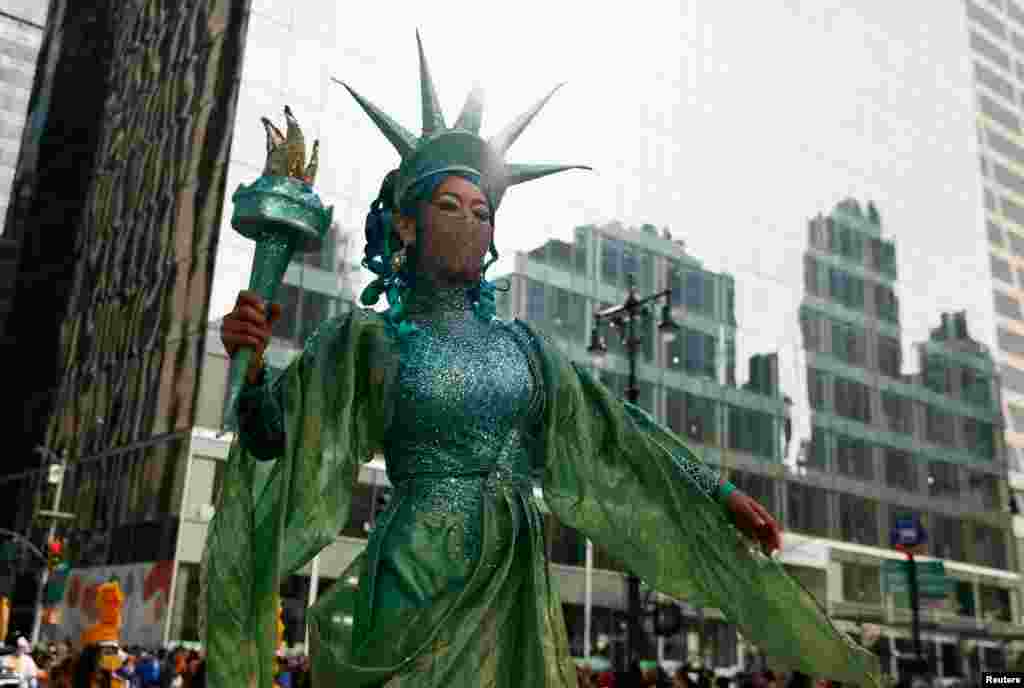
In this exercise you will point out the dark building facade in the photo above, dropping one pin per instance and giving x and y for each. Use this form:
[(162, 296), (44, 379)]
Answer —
[(117, 200)]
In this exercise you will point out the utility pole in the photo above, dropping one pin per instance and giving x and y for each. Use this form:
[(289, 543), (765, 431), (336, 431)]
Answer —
[(623, 318), (54, 514)]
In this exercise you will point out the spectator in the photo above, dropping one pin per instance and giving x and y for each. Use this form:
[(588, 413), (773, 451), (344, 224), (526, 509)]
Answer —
[(24, 665), (198, 677), (85, 667), (61, 674), (682, 678), (149, 671)]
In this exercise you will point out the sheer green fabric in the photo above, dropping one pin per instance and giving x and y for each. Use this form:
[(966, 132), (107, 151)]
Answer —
[(439, 619)]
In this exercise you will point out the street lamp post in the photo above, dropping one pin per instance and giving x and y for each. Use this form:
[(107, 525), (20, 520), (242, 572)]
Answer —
[(623, 318)]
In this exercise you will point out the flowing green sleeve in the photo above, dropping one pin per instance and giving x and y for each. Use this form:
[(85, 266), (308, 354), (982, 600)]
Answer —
[(261, 418), (274, 516), (627, 483)]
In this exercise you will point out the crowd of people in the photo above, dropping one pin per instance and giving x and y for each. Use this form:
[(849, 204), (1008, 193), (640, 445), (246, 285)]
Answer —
[(688, 676), (56, 665)]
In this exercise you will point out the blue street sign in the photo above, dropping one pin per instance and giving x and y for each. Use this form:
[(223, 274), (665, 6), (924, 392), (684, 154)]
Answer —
[(907, 532)]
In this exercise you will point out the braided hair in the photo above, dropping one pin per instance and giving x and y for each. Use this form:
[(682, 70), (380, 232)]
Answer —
[(382, 242)]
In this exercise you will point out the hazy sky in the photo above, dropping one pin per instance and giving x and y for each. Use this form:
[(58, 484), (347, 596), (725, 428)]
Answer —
[(731, 123)]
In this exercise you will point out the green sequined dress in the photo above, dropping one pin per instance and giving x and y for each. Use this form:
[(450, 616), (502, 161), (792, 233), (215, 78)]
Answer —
[(453, 586)]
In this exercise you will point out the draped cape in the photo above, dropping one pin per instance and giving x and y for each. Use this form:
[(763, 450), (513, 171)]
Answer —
[(606, 468)]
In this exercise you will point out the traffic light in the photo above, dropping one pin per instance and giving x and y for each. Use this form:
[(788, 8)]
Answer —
[(54, 553)]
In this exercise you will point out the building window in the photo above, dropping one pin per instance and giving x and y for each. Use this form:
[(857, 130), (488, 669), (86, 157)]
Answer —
[(810, 325), (943, 479), (937, 374), (1007, 306), (852, 400), (858, 519), (853, 458), (700, 418), (975, 387), (989, 547), (846, 289), (980, 438), (611, 257), (817, 450), (645, 278), (694, 352), (568, 314), (752, 431), (811, 276), (939, 427), (900, 469), (985, 491), (700, 293), (861, 583), (845, 242), (674, 417), (882, 256), (889, 356), (535, 310), (807, 509), (582, 241), (816, 382), (995, 603), (886, 304), (898, 413), (946, 535), (964, 604), (849, 344), (700, 353)]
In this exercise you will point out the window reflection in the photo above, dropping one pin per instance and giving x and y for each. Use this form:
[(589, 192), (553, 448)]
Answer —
[(861, 583)]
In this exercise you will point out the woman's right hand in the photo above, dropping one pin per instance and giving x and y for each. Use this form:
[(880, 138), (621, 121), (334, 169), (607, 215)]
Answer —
[(248, 325)]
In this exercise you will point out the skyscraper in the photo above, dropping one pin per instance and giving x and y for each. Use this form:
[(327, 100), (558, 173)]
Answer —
[(996, 40)]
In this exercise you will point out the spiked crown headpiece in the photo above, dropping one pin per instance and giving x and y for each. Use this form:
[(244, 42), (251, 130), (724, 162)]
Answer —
[(458, 148)]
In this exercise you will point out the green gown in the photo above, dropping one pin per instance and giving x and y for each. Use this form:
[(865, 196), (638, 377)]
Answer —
[(453, 587)]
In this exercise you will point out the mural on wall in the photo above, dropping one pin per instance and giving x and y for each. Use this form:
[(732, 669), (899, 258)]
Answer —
[(146, 588)]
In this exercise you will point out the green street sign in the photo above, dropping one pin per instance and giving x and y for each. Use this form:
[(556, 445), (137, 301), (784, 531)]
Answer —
[(932, 582)]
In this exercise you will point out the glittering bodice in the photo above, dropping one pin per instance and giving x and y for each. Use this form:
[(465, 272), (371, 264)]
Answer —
[(463, 400), (462, 413)]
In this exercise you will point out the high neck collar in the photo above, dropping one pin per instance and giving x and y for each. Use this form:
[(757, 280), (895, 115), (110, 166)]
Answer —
[(428, 299)]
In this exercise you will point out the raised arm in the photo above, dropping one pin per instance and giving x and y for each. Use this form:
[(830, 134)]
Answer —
[(260, 406)]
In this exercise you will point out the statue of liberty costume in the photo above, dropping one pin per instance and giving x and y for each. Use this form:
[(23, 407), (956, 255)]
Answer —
[(469, 412)]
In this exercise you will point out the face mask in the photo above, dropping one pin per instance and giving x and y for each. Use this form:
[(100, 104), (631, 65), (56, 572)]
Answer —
[(454, 243)]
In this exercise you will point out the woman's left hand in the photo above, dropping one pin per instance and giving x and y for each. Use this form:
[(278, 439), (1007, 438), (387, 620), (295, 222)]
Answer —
[(754, 521)]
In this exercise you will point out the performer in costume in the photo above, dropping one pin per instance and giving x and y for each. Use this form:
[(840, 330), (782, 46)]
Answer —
[(468, 410)]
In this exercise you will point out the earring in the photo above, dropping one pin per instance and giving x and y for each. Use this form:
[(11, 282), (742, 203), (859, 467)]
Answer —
[(398, 259)]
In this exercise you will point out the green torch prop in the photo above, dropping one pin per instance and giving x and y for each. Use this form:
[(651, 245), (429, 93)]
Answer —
[(282, 214)]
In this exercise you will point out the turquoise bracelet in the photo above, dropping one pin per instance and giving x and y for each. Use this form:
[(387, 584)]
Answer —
[(724, 490)]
